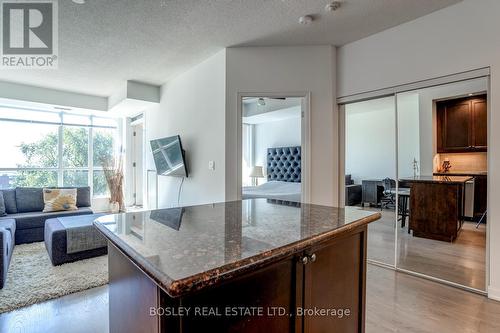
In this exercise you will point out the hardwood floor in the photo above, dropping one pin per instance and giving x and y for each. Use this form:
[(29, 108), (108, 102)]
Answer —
[(82, 312), (396, 302), (462, 261)]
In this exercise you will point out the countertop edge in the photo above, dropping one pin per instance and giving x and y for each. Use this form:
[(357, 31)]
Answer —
[(435, 181), (462, 173), (179, 288)]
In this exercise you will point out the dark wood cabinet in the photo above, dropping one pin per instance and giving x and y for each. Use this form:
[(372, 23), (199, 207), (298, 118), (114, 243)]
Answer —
[(480, 195), (320, 291), (436, 209), (479, 123), (462, 125)]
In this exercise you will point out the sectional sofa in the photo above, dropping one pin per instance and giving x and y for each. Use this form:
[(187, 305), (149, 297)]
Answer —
[(25, 219)]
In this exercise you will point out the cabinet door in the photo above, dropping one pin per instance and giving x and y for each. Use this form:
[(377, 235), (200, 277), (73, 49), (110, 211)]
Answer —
[(455, 127), (336, 280), (272, 288), (479, 124)]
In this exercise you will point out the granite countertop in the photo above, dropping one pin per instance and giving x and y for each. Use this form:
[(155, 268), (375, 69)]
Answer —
[(187, 249), (461, 173), (438, 179)]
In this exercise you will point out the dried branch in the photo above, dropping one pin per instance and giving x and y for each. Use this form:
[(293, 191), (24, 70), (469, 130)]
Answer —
[(113, 172)]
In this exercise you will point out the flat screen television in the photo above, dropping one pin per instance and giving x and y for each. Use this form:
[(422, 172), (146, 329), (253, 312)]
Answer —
[(171, 217), (169, 156)]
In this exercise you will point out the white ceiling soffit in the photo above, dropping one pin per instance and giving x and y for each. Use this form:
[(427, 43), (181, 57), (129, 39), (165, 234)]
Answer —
[(45, 98), (102, 44), (134, 97), (277, 115), (251, 106)]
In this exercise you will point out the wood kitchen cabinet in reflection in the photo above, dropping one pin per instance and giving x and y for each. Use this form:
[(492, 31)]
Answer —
[(462, 125), (436, 206)]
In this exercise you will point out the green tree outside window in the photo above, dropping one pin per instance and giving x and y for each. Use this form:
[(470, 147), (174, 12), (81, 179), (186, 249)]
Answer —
[(44, 154)]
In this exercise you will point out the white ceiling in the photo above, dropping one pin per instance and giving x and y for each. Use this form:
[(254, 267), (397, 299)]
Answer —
[(104, 43)]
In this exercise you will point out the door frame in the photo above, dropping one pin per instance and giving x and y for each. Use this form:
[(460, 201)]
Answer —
[(131, 122), (305, 138)]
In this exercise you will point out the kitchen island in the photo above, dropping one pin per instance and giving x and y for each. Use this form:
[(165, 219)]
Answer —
[(245, 266), (436, 206)]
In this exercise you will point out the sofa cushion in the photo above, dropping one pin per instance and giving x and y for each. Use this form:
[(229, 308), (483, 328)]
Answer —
[(59, 199), (37, 219), (82, 195), (29, 199), (9, 198), (2, 205)]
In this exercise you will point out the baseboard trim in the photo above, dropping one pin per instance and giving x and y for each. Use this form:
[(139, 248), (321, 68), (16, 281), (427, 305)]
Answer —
[(494, 293)]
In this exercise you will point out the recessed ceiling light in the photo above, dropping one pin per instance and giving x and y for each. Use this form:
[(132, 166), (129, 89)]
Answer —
[(79, 2), (306, 19), (261, 102)]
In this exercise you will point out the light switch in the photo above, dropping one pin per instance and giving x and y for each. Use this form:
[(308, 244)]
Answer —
[(211, 165)]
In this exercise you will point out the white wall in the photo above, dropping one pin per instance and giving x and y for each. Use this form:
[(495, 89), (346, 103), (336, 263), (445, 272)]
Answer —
[(280, 133), (458, 38), (370, 140), (193, 106), (288, 69), (371, 137), (408, 133)]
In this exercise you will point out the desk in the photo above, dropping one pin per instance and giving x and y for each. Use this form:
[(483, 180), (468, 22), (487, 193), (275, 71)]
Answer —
[(373, 190)]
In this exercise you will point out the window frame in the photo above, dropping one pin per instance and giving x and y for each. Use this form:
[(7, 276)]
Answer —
[(60, 169)]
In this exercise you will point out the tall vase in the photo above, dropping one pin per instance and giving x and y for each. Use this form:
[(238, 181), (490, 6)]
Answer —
[(114, 207)]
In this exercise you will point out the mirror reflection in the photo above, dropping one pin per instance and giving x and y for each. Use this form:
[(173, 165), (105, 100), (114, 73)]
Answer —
[(370, 170), (442, 164)]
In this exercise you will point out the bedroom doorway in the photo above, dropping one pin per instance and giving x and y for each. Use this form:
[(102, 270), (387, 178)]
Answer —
[(272, 152)]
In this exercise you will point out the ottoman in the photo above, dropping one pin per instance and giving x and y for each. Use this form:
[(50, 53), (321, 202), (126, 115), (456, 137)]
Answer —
[(59, 237)]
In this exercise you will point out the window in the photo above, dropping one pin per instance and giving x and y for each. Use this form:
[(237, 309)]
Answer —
[(42, 148), (75, 147), (28, 145), (100, 185)]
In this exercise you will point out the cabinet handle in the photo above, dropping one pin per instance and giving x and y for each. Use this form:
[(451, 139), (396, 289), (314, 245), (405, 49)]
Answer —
[(312, 257), (305, 260)]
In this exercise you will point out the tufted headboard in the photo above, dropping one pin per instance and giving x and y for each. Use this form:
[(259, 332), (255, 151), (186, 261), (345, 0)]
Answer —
[(284, 164)]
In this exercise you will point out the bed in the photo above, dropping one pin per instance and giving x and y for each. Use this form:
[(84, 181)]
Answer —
[(283, 176)]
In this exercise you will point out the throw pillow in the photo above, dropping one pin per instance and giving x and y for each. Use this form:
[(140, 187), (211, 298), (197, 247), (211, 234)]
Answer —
[(2, 205), (59, 199)]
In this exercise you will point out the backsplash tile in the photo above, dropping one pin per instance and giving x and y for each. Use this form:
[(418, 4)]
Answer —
[(463, 161)]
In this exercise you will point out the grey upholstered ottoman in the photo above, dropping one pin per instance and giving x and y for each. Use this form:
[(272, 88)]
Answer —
[(73, 238)]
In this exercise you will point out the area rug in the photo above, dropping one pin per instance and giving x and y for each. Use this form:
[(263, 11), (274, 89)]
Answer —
[(32, 278)]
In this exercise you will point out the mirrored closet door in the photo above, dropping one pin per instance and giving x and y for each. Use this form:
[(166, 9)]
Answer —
[(419, 157), (442, 187), (370, 170)]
